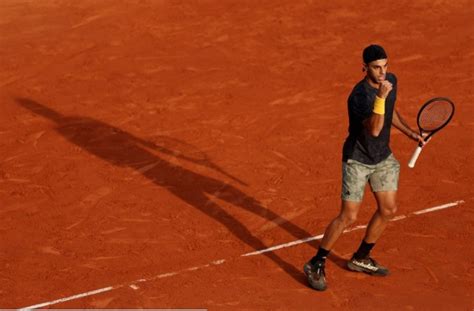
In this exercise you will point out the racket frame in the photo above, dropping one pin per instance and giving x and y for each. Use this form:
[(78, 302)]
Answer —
[(417, 152), (431, 133)]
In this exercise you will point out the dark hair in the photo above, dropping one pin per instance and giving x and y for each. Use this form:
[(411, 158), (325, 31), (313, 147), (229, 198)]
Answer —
[(373, 52)]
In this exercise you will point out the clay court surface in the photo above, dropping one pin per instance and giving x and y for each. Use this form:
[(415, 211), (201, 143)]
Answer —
[(147, 145)]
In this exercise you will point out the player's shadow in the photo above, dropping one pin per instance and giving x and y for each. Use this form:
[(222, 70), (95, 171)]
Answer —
[(123, 149)]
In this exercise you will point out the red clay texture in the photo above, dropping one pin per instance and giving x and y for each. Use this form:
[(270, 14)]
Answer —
[(141, 138)]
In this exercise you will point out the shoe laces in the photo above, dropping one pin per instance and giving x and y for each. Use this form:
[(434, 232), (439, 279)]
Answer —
[(319, 269), (367, 260), (372, 261)]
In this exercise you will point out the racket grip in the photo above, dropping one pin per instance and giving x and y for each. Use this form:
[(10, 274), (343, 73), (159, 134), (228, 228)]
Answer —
[(414, 157)]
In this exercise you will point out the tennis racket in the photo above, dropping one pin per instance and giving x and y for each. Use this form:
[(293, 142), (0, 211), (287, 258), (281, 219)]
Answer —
[(432, 117)]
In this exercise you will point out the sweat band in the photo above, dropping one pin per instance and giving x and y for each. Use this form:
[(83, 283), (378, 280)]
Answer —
[(379, 105)]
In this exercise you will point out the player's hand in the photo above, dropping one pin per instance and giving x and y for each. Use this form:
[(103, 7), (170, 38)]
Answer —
[(384, 88), (419, 138)]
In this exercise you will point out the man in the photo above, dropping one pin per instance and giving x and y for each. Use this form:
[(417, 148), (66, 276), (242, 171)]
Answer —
[(366, 157)]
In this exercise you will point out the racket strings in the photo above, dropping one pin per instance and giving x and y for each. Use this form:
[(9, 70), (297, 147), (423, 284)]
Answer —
[(435, 115)]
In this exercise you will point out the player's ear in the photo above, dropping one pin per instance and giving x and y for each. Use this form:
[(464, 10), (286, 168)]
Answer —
[(364, 67)]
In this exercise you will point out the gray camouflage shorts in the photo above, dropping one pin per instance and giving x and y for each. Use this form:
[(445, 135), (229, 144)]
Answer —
[(382, 177)]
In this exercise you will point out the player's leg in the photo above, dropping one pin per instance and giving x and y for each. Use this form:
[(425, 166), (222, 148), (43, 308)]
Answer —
[(384, 183), (354, 179), (386, 209), (347, 216), (315, 268)]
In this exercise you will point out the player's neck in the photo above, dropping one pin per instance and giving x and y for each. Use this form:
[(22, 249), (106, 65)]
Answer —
[(372, 83)]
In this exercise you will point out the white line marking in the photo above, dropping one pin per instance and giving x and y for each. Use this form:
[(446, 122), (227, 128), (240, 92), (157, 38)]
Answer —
[(166, 275), (221, 261), (436, 208), (93, 292), (318, 237), (192, 269), (398, 218), (355, 228), (218, 262)]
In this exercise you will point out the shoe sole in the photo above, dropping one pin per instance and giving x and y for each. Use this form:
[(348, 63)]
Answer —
[(356, 268)]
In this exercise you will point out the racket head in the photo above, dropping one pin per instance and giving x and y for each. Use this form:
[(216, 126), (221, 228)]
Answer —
[(435, 114)]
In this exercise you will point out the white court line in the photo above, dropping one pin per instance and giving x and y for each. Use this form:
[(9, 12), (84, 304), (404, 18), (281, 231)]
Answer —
[(436, 208), (92, 292), (270, 249), (221, 261), (319, 237)]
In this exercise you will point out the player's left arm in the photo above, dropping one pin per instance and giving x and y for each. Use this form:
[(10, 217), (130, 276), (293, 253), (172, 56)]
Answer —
[(402, 125)]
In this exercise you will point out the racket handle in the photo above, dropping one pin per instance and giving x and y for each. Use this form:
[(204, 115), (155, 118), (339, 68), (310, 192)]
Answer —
[(414, 157)]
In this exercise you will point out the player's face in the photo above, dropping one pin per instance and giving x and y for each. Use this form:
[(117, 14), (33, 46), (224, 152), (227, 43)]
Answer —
[(377, 70)]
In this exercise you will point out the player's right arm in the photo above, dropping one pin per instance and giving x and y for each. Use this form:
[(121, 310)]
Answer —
[(374, 123), (403, 127)]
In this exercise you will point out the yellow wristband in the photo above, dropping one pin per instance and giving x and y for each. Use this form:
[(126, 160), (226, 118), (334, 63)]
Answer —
[(379, 105)]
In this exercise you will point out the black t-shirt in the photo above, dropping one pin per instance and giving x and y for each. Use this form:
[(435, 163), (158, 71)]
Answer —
[(360, 145)]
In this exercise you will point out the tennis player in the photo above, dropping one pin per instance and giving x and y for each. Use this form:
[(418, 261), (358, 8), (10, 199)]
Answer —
[(366, 157)]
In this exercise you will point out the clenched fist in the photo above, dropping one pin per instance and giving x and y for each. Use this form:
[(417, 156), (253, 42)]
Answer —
[(384, 88)]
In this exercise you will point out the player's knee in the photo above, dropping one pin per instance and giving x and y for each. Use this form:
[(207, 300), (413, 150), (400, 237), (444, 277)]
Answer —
[(348, 219), (389, 211)]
